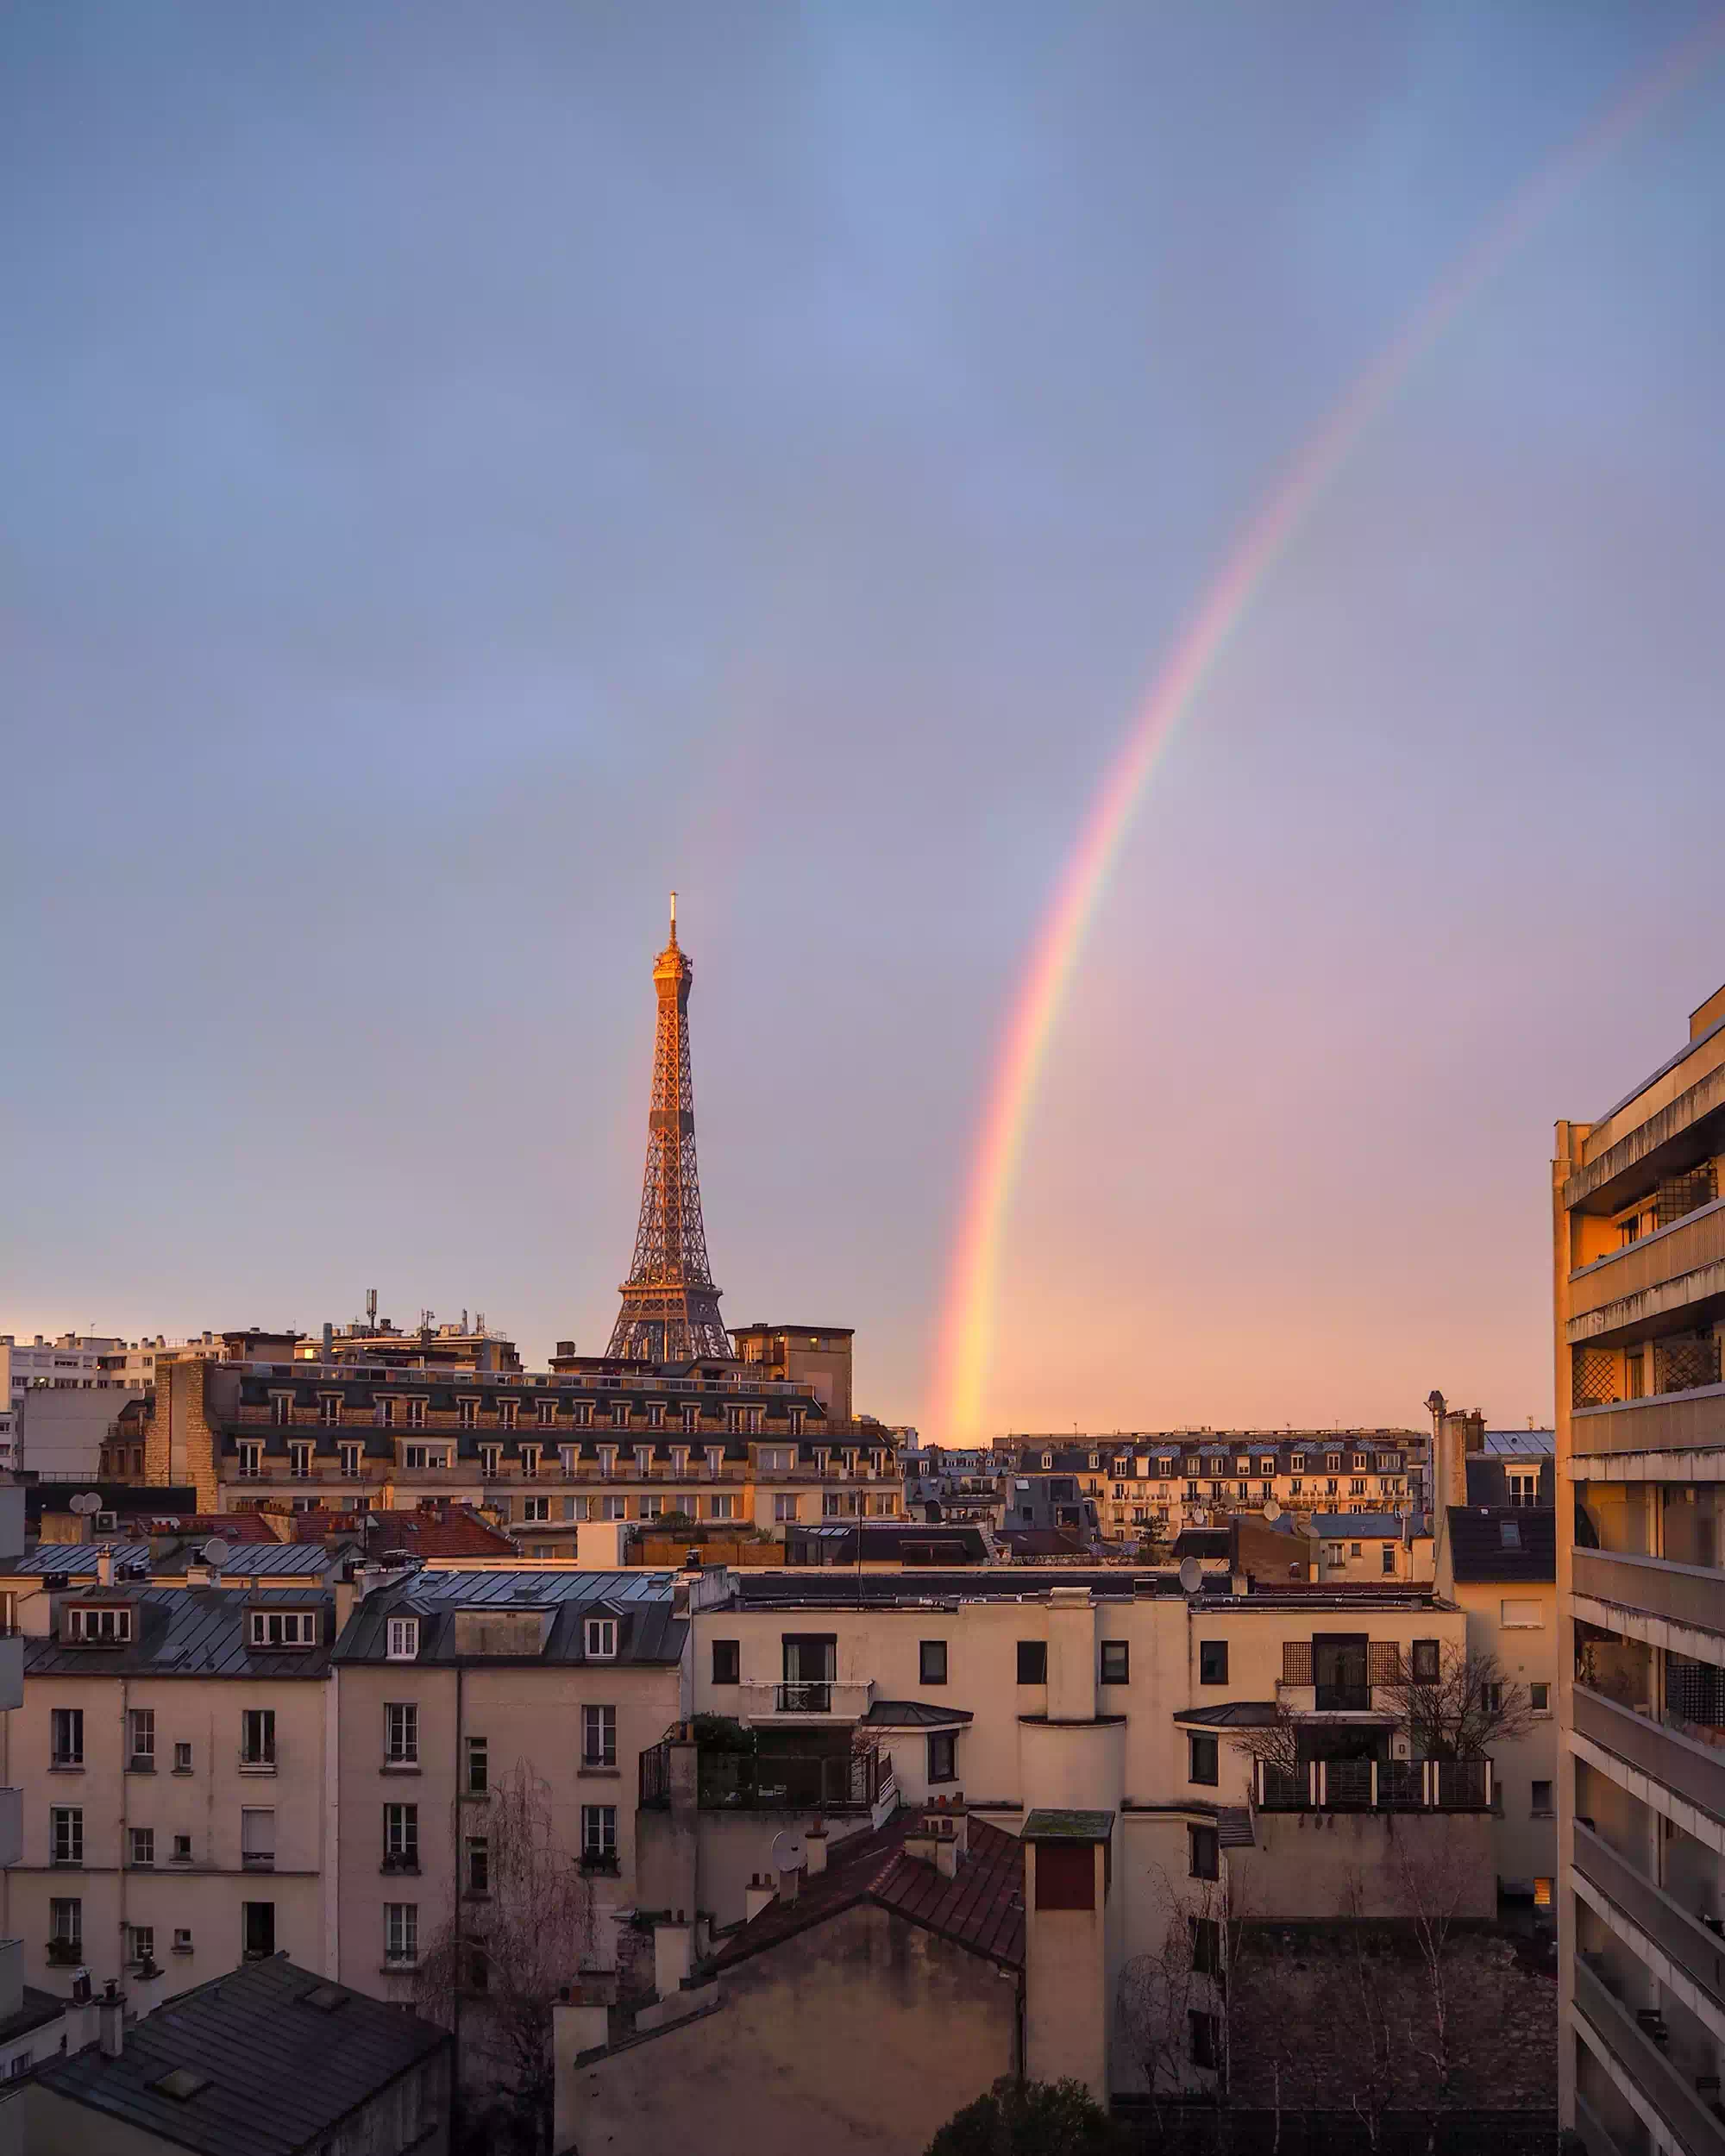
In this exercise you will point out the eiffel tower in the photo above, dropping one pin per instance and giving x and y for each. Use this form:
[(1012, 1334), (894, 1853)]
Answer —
[(670, 1306)]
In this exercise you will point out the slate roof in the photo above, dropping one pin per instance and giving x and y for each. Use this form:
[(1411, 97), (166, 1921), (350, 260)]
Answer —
[(1503, 1542), (246, 1560), (1040, 1542), (1234, 1714), (1521, 1445), (982, 1909), (913, 1714), (1356, 1527), (282, 2073), (190, 1632), (648, 1628), (814, 1586)]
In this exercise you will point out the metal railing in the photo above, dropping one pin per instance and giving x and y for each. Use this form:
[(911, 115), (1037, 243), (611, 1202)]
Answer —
[(1691, 1770), (1693, 2124), (1692, 1595), (1375, 1785), (1678, 1935), (856, 1781)]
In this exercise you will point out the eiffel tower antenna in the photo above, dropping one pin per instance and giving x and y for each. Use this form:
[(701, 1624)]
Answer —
[(670, 1306)]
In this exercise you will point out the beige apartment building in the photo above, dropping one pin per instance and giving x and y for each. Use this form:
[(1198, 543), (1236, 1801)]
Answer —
[(711, 1444), (1638, 1270)]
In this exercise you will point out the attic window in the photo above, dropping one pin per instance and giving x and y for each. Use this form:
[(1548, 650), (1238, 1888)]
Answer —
[(284, 1628), (601, 1638), (403, 1645), (324, 1997), (102, 1627), (1510, 1530), (181, 2083)]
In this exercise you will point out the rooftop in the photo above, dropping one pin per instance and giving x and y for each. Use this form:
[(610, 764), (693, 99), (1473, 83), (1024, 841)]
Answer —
[(188, 1631), (1503, 1542), (649, 1626), (1069, 1825), (272, 2059), (980, 1909), (1343, 1526)]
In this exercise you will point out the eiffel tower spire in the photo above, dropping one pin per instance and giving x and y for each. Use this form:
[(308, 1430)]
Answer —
[(670, 1306)]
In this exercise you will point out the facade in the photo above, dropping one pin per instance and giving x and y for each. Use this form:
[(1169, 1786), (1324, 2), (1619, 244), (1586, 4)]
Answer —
[(598, 1440), (814, 1356), (1150, 1485), (1639, 1273), (1370, 1545)]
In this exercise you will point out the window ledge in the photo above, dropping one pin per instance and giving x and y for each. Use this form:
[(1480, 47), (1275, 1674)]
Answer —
[(65, 1766), (597, 1773), (400, 1766)]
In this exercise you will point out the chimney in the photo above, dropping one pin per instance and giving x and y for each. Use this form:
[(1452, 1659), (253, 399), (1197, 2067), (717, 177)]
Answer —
[(673, 1955), (790, 1883), (148, 1983), (757, 1896), (941, 1836), (110, 2020), (814, 1847), (104, 1568)]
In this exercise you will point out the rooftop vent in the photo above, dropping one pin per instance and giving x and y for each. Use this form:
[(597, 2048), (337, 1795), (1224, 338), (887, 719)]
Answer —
[(181, 2083)]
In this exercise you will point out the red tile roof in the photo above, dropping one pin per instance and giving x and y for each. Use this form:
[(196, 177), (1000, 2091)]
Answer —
[(454, 1531), (231, 1526), (982, 1909)]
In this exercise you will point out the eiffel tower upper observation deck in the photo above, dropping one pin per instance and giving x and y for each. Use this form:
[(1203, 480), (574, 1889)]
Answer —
[(670, 1306)]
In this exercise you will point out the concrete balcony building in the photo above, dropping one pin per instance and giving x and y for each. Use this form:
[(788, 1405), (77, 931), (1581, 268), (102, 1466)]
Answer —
[(1639, 1268)]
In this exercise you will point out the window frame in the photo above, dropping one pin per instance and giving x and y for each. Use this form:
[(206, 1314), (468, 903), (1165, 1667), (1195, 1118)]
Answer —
[(727, 1662), (597, 1720), (1033, 1653), (1203, 1852), (1203, 1750), (932, 1660), (941, 1757), (1113, 1662), (1211, 1670)]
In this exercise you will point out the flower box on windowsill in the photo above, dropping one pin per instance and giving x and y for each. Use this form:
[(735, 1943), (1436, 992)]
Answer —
[(401, 1864), (400, 1964), (253, 1862), (66, 1953), (401, 1766), (600, 1867)]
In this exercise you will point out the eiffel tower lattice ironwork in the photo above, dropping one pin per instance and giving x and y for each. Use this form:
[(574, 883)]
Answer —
[(670, 1306)]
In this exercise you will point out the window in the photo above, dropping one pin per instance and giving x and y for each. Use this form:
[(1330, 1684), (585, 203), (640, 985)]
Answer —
[(1203, 1853), (1523, 1616), (722, 1507), (508, 1411), (1425, 1661), (257, 1737), (491, 1461), (401, 1932), (1542, 1806), (108, 1627), (931, 1662), (143, 1850), (281, 1408), (1491, 1697), (536, 1509), (142, 1939), (727, 1662), (402, 1644), (599, 1736), (1206, 2045), (1542, 1893), (1355, 1550), (182, 1759), (1389, 1557), (1524, 1484), (257, 1840), (66, 1736), (1213, 1661), (529, 1460), (598, 1836), (416, 1414), (1206, 1946), (65, 1926), (66, 1834), (401, 1733), (141, 1740), (1539, 1698), (182, 1849), (401, 1837), (284, 1628), (352, 1455), (600, 1638), (479, 1767), (1205, 1766), (784, 1506), (387, 1413), (182, 1939), (1032, 1662), (478, 1865), (251, 1459), (943, 1755), (547, 1414), (614, 1508)]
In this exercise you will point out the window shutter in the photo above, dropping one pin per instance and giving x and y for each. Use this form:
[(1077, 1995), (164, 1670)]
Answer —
[(1296, 1661), (1384, 1662)]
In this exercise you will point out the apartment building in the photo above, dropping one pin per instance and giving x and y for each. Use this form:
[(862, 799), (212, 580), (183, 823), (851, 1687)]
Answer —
[(1639, 1272), (1151, 1485), (173, 1745), (541, 1454), (455, 1683)]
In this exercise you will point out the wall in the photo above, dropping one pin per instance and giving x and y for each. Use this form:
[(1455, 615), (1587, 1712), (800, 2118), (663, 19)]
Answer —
[(733, 1847), (1305, 1865), (863, 2034), (1527, 1844), (56, 2126), (60, 1432)]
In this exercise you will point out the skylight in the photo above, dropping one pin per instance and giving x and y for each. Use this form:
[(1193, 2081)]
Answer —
[(181, 2083)]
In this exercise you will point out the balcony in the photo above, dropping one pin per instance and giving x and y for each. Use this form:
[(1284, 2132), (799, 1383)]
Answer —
[(1662, 1422), (1692, 1771), (1662, 1274), (11, 1670), (811, 1701), (856, 1781), (1681, 1940), (1336, 1699), (1375, 1785), (1693, 2124), (11, 1827), (1688, 1594)]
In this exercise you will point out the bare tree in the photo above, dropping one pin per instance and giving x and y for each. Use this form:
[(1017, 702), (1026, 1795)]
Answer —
[(1275, 1742), (1459, 1706), (506, 1967), (1433, 1875), (1191, 1973)]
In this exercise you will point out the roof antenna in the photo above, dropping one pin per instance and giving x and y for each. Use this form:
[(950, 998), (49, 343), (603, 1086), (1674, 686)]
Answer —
[(674, 916)]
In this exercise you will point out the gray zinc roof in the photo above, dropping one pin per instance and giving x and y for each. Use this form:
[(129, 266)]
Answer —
[(190, 1632), (279, 2072), (1355, 1526), (649, 1629)]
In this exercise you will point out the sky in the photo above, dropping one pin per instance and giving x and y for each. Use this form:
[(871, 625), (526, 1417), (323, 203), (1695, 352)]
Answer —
[(464, 472)]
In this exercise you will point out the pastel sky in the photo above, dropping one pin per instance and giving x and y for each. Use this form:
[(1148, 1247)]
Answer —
[(465, 471)]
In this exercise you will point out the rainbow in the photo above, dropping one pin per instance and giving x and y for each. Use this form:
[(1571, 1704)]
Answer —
[(961, 1358)]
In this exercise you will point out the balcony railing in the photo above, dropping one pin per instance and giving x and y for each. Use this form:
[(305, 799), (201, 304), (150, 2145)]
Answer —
[(1663, 1263), (819, 1698), (1375, 1785), (1691, 1770), (1691, 1595), (856, 1781), (1343, 1699), (1680, 1936), (1693, 2125), (1663, 1422)]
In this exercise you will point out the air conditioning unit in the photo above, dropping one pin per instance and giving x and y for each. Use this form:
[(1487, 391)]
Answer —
[(1401, 1745)]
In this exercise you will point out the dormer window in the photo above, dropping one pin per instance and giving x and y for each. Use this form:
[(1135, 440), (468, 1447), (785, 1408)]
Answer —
[(1048, 1460), (283, 1627), (281, 1407), (600, 1638), (105, 1627), (529, 1459), (466, 1413), (607, 1460), (547, 1413), (680, 1461), (491, 1457), (715, 1460), (1360, 1461), (656, 1416), (619, 1414), (644, 1458), (798, 1415), (416, 1414), (566, 1457), (691, 1417), (1094, 1458), (1333, 1461), (583, 1414), (402, 1642), (385, 1409), (507, 1411), (329, 1410)]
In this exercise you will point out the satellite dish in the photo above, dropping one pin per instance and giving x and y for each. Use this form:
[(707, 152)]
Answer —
[(87, 1501), (1189, 1575), (787, 1852), (217, 1552), (1273, 1511)]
